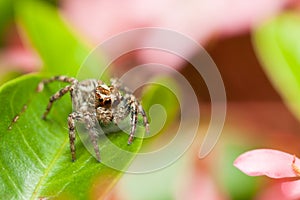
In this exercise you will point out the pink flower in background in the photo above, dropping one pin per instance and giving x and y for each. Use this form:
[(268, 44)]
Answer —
[(272, 192), (20, 58), (274, 164), (17, 56), (199, 186), (201, 20)]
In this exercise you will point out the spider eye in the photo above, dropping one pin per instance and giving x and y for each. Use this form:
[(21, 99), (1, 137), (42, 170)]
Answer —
[(107, 102), (103, 102)]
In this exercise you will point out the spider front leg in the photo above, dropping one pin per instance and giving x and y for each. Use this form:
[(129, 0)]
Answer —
[(145, 119), (89, 122), (133, 122), (134, 117), (116, 83), (55, 97)]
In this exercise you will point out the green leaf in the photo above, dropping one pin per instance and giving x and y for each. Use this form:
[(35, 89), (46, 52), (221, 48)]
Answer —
[(6, 16), (162, 187), (35, 159), (230, 177), (61, 52), (164, 93), (278, 47), (6, 76)]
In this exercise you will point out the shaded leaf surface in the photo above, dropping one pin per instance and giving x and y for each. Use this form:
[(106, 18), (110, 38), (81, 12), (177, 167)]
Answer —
[(35, 159)]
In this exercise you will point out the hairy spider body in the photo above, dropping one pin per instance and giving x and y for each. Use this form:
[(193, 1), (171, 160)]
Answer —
[(95, 102)]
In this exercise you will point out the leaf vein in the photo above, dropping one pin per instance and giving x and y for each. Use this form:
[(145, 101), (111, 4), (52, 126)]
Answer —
[(48, 169), (30, 148), (13, 182)]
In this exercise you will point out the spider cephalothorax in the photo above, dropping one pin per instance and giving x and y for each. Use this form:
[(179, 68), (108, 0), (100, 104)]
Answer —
[(92, 99)]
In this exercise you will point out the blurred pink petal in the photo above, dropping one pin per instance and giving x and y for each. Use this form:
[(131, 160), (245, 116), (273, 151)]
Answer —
[(245, 14), (199, 19), (272, 163), (273, 192), (20, 58), (291, 189), (200, 186)]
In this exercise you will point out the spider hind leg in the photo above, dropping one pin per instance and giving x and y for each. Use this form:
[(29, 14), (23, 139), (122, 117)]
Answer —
[(65, 79)]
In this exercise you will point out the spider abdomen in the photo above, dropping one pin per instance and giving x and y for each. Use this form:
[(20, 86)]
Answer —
[(83, 96)]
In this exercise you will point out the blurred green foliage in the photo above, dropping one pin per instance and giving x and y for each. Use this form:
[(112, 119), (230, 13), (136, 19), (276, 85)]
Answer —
[(277, 45), (6, 17), (237, 184), (164, 93), (60, 50)]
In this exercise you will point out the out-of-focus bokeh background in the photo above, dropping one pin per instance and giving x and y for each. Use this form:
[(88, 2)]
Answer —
[(255, 45)]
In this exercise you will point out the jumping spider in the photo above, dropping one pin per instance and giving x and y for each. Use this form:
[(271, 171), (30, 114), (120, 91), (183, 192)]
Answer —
[(93, 102)]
